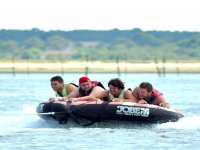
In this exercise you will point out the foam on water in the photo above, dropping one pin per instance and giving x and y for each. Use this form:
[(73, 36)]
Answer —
[(27, 118), (191, 122)]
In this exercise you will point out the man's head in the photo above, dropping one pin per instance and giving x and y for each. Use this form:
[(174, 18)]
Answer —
[(57, 83), (85, 83), (145, 90), (115, 85)]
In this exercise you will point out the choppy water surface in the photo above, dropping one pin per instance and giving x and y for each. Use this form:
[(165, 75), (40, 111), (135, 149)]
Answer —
[(21, 128)]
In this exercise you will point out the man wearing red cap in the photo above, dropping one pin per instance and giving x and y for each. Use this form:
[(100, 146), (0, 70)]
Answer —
[(88, 90)]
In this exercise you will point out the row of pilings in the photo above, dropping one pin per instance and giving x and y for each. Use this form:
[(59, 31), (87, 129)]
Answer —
[(160, 67)]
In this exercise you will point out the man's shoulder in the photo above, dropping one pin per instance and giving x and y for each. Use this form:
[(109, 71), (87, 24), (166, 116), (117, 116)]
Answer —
[(127, 91), (98, 88), (71, 84), (135, 90), (159, 99)]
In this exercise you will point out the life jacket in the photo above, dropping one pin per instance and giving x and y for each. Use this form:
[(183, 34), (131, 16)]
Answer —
[(63, 92), (155, 94), (111, 96), (94, 83)]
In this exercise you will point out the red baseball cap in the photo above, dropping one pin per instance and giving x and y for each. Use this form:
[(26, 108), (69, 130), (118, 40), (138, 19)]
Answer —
[(84, 79)]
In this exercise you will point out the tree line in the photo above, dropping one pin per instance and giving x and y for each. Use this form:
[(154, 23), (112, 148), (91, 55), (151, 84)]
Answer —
[(109, 45)]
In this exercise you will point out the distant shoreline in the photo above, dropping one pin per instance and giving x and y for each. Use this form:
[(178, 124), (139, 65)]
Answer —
[(99, 67)]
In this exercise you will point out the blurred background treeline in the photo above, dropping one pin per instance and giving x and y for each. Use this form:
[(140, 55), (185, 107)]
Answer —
[(130, 45)]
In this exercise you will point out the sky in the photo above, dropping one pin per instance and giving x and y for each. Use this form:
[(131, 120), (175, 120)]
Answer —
[(161, 15)]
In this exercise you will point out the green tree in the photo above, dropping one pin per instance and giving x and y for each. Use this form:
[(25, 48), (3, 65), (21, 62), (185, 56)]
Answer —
[(34, 42), (57, 43)]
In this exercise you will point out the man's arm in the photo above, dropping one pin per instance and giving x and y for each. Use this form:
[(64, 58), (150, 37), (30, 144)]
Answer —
[(102, 94), (128, 97), (73, 94), (162, 102), (135, 94), (94, 95)]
